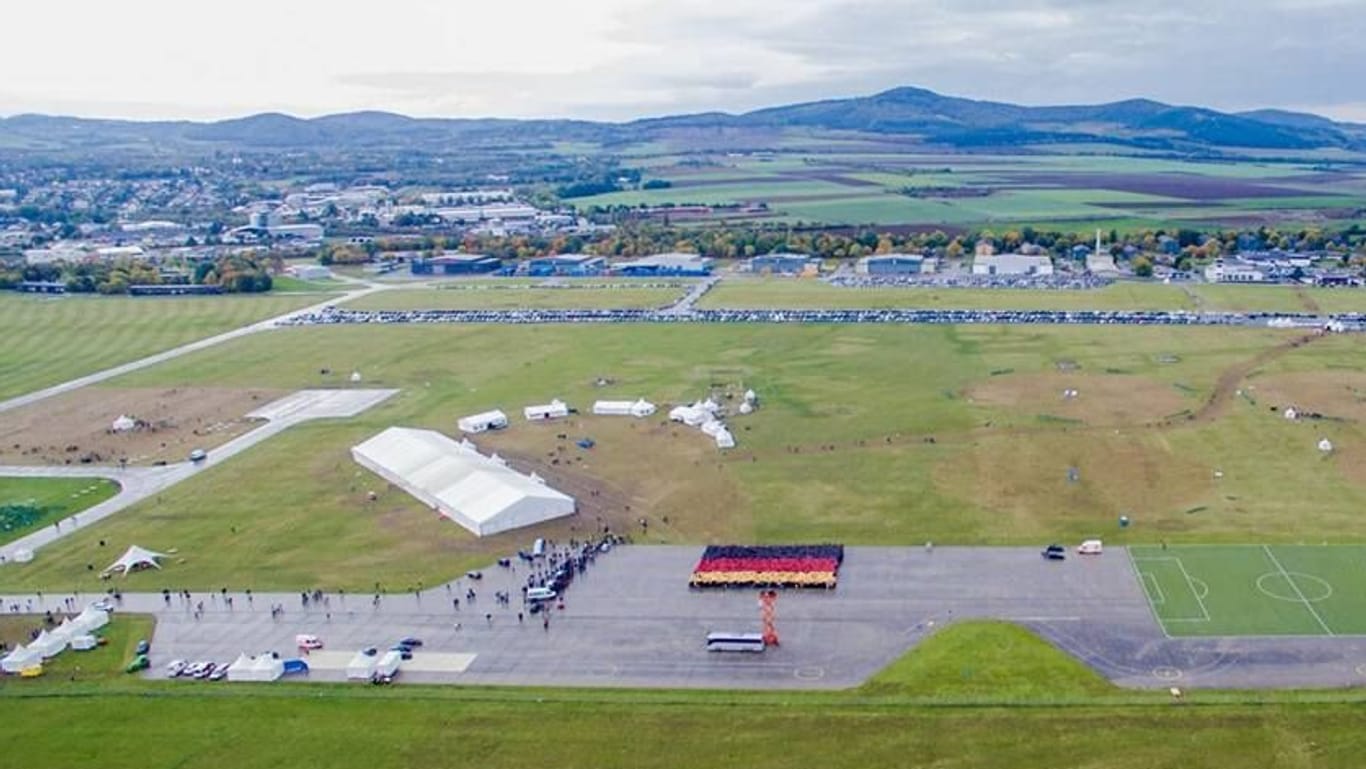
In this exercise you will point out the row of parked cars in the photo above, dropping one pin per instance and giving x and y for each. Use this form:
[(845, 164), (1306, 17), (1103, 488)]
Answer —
[(336, 316), (202, 671)]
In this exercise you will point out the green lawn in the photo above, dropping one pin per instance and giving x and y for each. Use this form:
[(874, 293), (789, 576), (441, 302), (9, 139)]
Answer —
[(50, 340), (52, 499), (839, 449), (483, 296), (1220, 590), (286, 284), (796, 293), (101, 666)]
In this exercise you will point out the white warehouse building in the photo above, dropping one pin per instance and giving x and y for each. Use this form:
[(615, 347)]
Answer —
[(480, 493), (1011, 264)]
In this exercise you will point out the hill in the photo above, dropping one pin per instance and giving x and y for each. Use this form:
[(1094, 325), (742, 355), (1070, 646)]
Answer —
[(918, 114)]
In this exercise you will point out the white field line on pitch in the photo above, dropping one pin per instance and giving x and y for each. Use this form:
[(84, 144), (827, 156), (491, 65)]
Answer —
[(1296, 587), (1190, 585), (1148, 578)]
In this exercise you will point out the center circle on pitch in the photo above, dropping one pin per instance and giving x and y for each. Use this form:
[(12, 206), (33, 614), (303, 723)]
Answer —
[(1166, 673), (1282, 586)]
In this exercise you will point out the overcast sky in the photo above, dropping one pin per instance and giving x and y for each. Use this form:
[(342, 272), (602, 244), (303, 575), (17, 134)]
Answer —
[(620, 59)]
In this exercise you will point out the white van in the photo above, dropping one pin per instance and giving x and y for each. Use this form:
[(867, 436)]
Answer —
[(308, 641), (540, 594), (1090, 547)]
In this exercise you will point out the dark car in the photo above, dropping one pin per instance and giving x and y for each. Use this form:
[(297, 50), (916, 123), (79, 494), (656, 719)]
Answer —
[(143, 647), (404, 652), (1055, 552), (410, 642)]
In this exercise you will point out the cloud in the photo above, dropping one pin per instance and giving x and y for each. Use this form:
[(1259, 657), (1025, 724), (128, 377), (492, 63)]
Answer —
[(620, 59)]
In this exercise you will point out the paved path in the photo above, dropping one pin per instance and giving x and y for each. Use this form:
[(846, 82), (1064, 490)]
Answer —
[(139, 483), (632, 621), (689, 300), (176, 352)]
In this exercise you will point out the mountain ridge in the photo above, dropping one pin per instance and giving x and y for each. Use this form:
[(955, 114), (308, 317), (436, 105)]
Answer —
[(927, 116)]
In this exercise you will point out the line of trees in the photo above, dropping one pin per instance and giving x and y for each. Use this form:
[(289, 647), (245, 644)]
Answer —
[(234, 273)]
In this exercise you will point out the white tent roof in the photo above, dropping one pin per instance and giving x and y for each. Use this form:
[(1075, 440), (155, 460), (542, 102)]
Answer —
[(479, 422), (724, 440), (555, 408), (66, 630), (124, 423), (263, 668), (47, 645), (362, 665), (91, 619), (1325, 445), (20, 658), (636, 408), (136, 557), (480, 493)]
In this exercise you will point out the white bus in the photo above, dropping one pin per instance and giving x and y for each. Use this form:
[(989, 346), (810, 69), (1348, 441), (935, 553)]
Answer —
[(735, 642)]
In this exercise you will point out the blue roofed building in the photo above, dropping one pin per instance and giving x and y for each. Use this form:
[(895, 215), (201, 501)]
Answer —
[(568, 265), (660, 265)]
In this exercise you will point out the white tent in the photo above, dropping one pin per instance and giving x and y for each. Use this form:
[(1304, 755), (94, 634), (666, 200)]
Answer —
[(266, 667), (355, 377), (708, 405), (91, 619), (692, 416), (123, 424), (711, 427), (480, 493), (1291, 414), (746, 408), (20, 658), (638, 408), (66, 631), (556, 409), (47, 645), (135, 558), (361, 666), (84, 643), (1325, 445), (724, 440), (751, 397), (478, 423)]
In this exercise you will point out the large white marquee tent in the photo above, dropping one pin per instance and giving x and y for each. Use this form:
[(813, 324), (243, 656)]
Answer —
[(480, 493)]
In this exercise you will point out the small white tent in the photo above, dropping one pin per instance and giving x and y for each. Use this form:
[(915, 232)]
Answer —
[(556, 409), (638, 408), (746, 408), (91, 619), (135, 558), (711, 427), (123, 424), (478, 423), (355, 377), (361, 666), (751, 397), (266, 667), (1291, 414), (1325, 445), (692, 416), (724, 440), (47, 645), (84, 643), (20, 658)]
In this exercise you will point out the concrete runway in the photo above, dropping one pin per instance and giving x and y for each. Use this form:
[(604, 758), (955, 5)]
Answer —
[(139, 483), (632, 621)]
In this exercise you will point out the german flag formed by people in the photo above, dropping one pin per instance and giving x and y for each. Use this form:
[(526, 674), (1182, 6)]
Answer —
[(769, 566)]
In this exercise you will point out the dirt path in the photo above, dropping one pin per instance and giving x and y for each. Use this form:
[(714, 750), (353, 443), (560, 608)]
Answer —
[(1308, 301), (1226, 386)]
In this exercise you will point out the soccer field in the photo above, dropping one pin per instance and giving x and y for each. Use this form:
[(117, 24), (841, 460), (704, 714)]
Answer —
[(1255, 590)]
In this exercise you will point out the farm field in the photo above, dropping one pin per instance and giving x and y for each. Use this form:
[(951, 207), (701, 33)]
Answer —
[(51, 340), (27, 504), (845, 186), (867, 435), (1221, 590), (493, 297), (955, 695)]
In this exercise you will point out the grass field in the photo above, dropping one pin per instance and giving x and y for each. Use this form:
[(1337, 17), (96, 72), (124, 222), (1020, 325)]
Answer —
[(57, 498), (286, 284), (975, 696), (840, 449), (50, 340), (515, 297), (1256, 590), (102, 665)]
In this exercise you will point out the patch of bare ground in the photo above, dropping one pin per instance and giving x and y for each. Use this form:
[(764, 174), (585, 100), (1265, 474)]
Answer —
[(1092, 399), (77, 427)]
